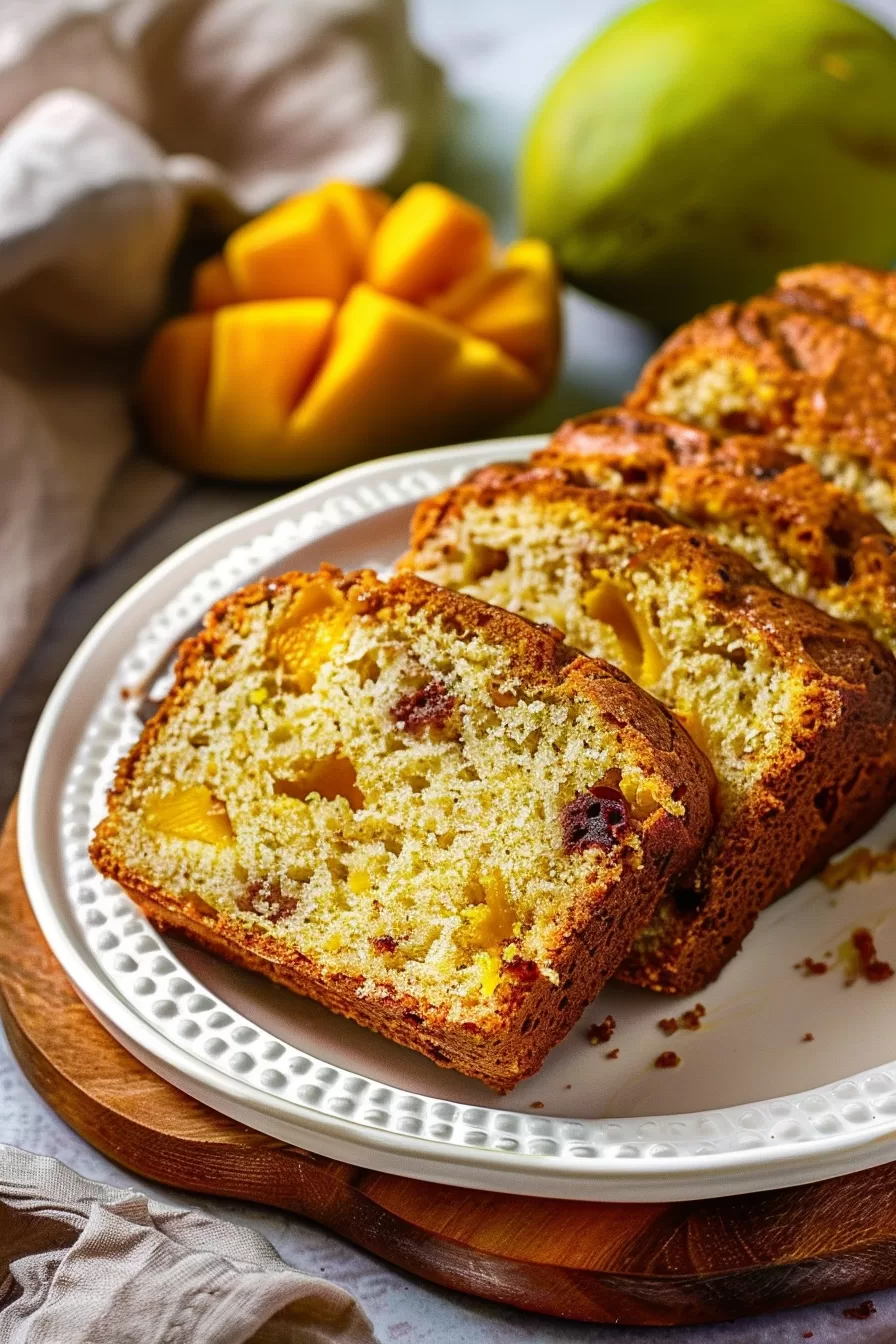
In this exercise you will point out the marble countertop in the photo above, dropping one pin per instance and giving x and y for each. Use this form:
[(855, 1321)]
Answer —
[(498, 56)]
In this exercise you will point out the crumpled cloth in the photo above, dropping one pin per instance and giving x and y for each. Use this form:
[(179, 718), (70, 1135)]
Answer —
[(84, 1263), (119, 121)]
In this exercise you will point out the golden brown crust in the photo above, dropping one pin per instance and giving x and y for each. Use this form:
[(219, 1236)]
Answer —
[(722, 576), (857, 295), (748, 482), (832, 777), (530, 1015), (825, 384)]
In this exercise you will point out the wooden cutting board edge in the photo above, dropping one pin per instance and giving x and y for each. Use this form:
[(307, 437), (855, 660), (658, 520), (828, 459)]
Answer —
[(636, 1264)]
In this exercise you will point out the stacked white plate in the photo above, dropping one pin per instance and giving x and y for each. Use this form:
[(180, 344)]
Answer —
[(752, 1105)]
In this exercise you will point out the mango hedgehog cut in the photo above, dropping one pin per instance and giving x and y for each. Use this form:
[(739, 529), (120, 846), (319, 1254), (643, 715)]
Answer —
[(426, 813)]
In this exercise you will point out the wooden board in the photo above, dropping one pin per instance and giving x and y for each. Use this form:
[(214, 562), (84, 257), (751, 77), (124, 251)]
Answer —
[(645, 1264)]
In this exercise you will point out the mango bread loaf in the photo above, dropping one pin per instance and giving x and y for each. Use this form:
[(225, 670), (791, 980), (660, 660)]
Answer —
[(824, 387), (811, 538), (428, 814), (795, 710), (857, 295)]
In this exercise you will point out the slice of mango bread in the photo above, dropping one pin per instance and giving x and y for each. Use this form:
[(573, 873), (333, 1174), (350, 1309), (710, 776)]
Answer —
[(422, 811), (823, 386), (795, 710), (813, 539)]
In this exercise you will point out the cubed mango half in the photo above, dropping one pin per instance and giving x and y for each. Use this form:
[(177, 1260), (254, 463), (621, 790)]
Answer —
[(335, 327), (396, 376)]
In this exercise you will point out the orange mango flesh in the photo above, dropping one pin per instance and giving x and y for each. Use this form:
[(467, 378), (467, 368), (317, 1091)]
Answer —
[(296, 364), (311, 246), (428, 240), (304, 639), (608, 603), (693, 725), (212, 286), (481, 383), (491, 920), (263, 357), (519, 311), (639, 798), (397, 375), (190, 814), (360, 211), (174, 383)]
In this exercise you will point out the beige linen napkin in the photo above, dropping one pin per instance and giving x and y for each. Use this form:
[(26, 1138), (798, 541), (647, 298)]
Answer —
[(84, 1263), (117, 119)]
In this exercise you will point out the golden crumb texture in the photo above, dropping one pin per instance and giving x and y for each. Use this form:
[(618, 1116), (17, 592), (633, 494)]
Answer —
[(426, 813), (794, 709)]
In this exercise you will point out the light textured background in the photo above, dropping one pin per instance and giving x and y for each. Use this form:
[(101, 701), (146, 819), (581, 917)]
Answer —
[(499, 55)]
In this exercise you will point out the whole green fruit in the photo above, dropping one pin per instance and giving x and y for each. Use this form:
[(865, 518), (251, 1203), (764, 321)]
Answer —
[(696, 147)]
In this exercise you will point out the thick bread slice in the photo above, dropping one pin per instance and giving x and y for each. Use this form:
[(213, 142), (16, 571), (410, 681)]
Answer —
[(795, 710), (424, 812), (812, 539), (825, 388)]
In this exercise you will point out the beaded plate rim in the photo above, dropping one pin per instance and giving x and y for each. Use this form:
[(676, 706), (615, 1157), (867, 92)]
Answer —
[(163, 1013)]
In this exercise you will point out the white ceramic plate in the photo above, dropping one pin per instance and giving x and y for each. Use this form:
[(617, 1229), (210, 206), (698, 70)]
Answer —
[(752, 1105)]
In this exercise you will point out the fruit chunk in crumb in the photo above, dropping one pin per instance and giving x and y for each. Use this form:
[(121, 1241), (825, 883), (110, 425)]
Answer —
[(490, 917), (489, 972), (597, 817), (609, 602), (304, 640), (639, 797), (429, 706), (331, 777), (190, 814)]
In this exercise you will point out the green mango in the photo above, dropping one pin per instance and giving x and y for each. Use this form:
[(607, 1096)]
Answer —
[(697, 147)]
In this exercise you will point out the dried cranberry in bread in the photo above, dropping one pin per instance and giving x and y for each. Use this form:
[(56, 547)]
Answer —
[(424, 812)]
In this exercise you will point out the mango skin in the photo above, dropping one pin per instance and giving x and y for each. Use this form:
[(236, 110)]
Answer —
[(697, 147)]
